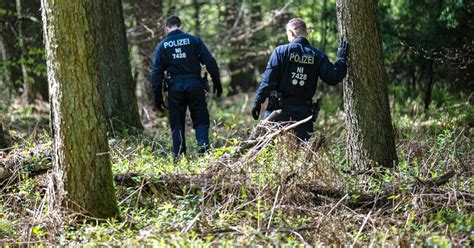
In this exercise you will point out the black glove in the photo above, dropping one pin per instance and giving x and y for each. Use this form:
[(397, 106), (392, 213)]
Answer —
[(159, 103), (217, 89), (256, 110), (342, 51)]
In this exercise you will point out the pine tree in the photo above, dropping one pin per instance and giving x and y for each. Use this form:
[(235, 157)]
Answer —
[(370, 133), (117, 86), (80, 149)]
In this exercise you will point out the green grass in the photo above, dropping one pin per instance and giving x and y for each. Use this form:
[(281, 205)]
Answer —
[(259, 201)]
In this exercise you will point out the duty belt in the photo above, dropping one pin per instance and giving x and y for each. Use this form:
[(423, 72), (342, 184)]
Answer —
[(185, 76), (295, 102)]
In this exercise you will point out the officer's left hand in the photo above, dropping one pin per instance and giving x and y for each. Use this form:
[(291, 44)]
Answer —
[(217, 89), (342, 51), (256, 110)]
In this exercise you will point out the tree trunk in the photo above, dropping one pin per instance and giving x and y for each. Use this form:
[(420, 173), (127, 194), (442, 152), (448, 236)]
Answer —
[(3, 139), (241, 76), (4, 80), (324, 21), (30, 34), (12, 71), (15, 70), (241, 69), (21, 43), (81, 160), (197, 18), (370, 133), (117, 86), (147, 33), (429, 86)]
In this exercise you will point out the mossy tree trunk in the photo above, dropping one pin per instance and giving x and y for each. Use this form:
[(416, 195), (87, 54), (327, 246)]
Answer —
[(370, 133), (81, 161), (115, 74)]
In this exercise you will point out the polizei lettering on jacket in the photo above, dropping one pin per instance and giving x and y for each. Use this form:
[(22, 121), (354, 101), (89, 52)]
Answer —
[(302, 59), (177, 43)]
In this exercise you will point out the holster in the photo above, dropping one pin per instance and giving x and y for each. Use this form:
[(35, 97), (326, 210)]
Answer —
[(274, 101), (167, 81), (205, 82), (315, 107)]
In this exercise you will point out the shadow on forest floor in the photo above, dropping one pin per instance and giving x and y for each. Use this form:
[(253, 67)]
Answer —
[(260, 188)]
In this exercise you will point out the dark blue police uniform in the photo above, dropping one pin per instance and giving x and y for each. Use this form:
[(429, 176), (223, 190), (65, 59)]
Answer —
[(181, 55), (293, 71)]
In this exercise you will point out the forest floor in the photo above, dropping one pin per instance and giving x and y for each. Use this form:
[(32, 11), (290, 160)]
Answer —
[(257, 191)]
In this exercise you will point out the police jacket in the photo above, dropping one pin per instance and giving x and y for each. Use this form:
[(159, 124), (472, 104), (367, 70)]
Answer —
[(293, 71), (181, 54)]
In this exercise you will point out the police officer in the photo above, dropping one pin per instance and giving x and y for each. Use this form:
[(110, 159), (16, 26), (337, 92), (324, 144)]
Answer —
[(180, 55), (292, 73)]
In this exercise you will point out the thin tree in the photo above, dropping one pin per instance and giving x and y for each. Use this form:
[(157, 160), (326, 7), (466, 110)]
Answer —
[(81, 161), (146, 34), (3, 141), (11, 73), (23, 51), (29, 39), (116, 83), (370, 136)]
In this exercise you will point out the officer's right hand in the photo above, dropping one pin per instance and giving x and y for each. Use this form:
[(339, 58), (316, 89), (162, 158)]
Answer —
[(217, 89), (342, 51), (256, 110), (159, 103)]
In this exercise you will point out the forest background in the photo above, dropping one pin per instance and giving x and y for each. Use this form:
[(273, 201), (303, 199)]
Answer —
[(428, 55)]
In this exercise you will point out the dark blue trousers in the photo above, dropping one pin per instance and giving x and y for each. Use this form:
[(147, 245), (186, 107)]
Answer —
[(190, 94), (296, 113)]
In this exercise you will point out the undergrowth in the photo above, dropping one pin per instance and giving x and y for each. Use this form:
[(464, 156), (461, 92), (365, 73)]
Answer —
[(275, 192)]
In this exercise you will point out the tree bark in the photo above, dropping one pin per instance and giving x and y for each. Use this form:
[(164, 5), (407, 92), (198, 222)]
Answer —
[(196, 17), (82, 167), (147, 33), (324, 22), (3, 140), (4, 76), (241, 69), (429, 86), (370, 136), (117, 86)]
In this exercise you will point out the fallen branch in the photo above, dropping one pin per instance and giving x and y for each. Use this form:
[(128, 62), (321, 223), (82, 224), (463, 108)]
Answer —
[(360, 199), (361, 228), (264, 230), (437, 181), (174, 184), (254, 141), (354, 199), (273, 115), (263, 123)]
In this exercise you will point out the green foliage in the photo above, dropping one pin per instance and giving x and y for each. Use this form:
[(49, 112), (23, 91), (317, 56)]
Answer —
[(421, 39), (429, 144), (7, 227), (248, 211)]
